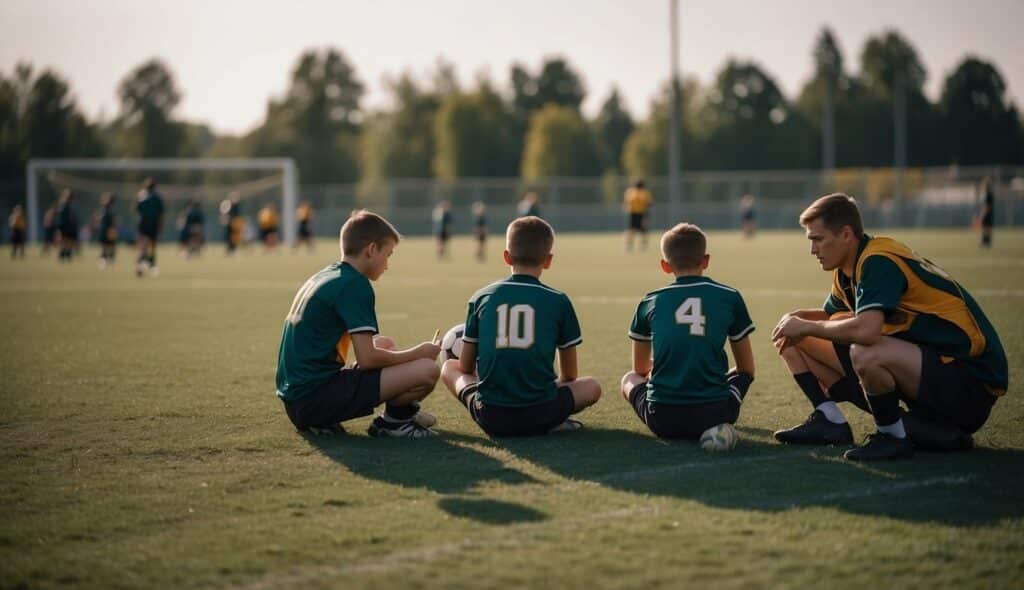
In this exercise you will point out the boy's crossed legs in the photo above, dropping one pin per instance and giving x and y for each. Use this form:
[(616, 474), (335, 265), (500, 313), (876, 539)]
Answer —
[(677, 421), (353, 393), (573, 397)]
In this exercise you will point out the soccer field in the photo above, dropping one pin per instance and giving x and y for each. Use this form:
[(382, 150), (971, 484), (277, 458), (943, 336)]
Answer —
[(142, 445)]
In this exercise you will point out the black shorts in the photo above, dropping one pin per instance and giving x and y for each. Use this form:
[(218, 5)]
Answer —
[(304, 230), (443, 235), (481, 233), (518, 421), (636, 221), (148, 230), (266, 233), (987, 220), (950, 394), (18, 236), (682, 421), (349, 394)]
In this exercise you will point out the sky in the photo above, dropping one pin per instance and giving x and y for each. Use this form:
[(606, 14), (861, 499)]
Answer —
[(230, 56)]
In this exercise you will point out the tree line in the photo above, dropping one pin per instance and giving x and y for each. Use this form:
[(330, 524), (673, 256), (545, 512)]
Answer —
[(532, 126)]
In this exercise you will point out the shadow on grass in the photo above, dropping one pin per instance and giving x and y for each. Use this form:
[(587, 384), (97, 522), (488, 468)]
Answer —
[(971, 488), (438, 464), (490, 511)]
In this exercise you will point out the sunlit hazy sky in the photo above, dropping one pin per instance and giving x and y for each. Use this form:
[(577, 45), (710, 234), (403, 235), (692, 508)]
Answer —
[(229, 56)]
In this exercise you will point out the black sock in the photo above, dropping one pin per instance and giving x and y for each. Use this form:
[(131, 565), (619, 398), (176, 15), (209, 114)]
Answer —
[(401, 413), (811, 388), (848, 389), (885, 407), (740, 381)]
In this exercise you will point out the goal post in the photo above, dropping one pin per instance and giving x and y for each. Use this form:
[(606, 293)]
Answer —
[(285, 166)]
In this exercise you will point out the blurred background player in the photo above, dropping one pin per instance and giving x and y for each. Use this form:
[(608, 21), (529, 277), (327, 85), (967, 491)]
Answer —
[(529, 205), (442, 217), (269, 223), (231, 219), (49, 228), (150, 209), (748, 216), (305, 216), (480, 229), (67, 226), (106, 230), (637, 202), (192, 224), (986, 211), (17, 223)]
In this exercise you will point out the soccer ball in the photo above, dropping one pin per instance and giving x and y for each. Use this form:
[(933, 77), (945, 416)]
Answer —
[(451, 344), (719, 438)]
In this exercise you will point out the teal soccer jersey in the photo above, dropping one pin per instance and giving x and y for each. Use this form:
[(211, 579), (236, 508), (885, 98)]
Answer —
[(331, 305), (150, 208), (517, 324), (688, 322)]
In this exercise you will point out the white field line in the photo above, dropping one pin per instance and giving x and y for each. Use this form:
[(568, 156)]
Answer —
[(520, 535), (895, 488)]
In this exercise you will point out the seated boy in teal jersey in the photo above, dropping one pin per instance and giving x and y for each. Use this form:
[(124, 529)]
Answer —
[(335, 309), (505, 375), (685, 388)]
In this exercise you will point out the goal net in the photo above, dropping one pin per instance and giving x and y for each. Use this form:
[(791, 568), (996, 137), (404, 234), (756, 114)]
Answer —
[(255, 182)]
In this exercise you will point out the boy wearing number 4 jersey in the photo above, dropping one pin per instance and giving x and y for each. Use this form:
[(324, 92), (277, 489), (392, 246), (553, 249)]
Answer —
[(684, 388), (504, 376), (335, 309)]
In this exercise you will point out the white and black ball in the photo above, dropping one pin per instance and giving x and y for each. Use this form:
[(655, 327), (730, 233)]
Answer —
[(451, 344)]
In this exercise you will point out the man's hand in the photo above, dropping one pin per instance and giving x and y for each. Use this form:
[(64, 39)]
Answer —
[(792, 329)]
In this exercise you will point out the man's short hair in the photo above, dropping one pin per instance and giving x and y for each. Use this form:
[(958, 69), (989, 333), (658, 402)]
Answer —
[(364, 228), (684, 246), (529, 240), (835, 211)]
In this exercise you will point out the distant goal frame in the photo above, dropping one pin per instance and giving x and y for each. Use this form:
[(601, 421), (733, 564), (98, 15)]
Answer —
[(289, 179)]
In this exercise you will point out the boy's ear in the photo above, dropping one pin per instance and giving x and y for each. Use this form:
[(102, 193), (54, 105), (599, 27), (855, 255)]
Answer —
[(547, 261), (507, 257), (704, 263), (666, 267), (371, 249)]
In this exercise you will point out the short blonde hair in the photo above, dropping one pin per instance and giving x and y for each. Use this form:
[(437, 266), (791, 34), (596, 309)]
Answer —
[(529, 240), (364, 228), (684, 246)]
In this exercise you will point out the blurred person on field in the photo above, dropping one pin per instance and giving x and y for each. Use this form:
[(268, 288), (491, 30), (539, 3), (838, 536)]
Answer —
[(636, 202)]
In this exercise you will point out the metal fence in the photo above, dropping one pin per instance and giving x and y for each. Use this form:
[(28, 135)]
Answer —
[(919, 197)]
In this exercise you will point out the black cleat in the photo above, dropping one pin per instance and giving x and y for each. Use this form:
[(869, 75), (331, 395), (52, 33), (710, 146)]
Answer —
[(329, 430), (929, 435), (817, 430), (407, 429), (881, 447)]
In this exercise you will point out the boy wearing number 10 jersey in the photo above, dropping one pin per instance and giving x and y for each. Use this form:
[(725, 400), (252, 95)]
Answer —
[(685, 386), (504, 375)]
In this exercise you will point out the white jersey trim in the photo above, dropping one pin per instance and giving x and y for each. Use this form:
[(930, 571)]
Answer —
[(743, 333), (571, 343)]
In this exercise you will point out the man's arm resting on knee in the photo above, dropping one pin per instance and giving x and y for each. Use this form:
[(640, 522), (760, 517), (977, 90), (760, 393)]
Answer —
[(370, 357), (864, 328)]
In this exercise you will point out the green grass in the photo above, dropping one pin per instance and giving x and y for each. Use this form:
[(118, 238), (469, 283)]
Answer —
[(142, 445)]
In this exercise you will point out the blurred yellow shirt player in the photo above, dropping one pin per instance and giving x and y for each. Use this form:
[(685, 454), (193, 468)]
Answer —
[(636, 202)]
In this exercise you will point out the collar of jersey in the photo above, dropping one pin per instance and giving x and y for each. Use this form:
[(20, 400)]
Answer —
[(690, 279), (522, 278), (864, 239)]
